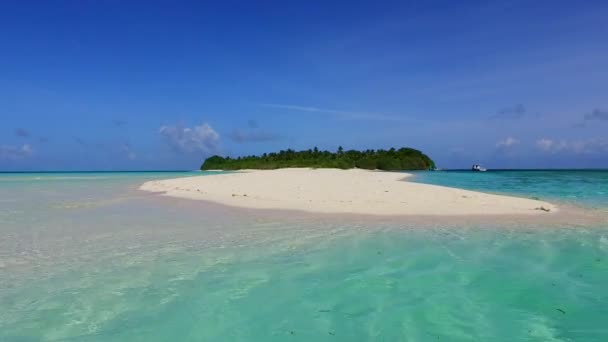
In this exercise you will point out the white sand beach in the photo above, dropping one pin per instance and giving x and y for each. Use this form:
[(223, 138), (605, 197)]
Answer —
[(342, 191)]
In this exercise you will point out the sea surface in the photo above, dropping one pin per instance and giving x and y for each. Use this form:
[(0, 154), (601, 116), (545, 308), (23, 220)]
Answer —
[(88, 257), (587, 188)]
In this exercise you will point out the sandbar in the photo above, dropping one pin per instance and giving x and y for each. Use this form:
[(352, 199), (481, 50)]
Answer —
[(337, 191)]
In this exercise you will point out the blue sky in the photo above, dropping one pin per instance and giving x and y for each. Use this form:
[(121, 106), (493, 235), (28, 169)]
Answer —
[(114, 85)]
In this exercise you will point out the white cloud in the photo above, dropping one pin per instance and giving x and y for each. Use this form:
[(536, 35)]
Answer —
[(15, 152), (545, 144), (507, 142), (590, 146), (201, 138), (342, 114)]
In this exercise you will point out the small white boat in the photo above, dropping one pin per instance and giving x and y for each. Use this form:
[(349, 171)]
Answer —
[(478, 168)]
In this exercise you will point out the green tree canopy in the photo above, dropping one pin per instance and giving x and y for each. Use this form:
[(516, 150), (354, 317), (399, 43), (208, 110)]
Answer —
[(393, 159)]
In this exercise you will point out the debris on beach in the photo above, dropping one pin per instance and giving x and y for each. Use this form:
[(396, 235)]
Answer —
[(543, 209)]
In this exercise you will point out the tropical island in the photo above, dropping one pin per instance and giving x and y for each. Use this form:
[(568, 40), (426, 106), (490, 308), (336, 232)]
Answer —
[(344, 182), (392, 159)]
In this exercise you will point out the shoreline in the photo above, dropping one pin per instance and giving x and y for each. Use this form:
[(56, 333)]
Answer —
[(350, 192)]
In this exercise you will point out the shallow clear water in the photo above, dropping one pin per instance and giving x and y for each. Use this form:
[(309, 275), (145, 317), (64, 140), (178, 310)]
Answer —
[(86, 257)]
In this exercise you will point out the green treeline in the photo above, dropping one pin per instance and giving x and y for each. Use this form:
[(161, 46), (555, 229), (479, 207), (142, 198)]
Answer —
[(401, 159)]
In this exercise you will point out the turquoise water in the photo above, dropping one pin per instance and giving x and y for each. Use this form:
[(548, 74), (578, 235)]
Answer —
[(86, 257), (579, 187)]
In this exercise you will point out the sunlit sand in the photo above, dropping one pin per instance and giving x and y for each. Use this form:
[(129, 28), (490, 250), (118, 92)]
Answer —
[(342, 191)]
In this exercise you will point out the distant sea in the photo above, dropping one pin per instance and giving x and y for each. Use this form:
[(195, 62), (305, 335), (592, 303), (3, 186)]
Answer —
[(88, 257)]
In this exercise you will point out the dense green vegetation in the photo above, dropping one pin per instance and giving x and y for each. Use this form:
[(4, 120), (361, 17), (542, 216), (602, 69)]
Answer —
[(401, 159)]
